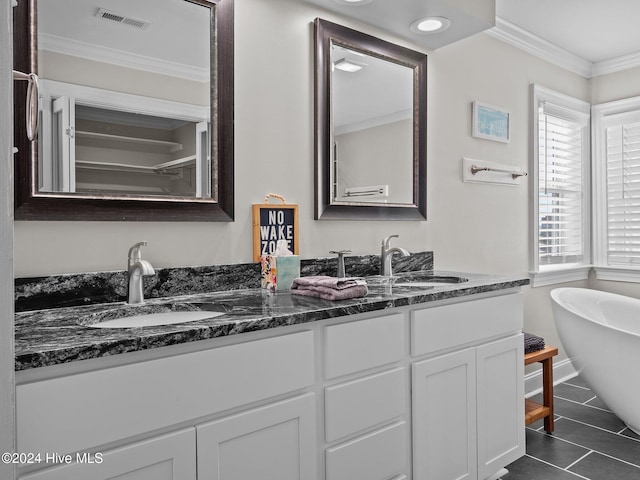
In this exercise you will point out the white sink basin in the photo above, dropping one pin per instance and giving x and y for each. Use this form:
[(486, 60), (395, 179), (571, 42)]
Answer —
[(155, 319)]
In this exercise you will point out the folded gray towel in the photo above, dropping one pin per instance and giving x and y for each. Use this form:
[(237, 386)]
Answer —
[(329, 288), (327, 282), (532, 343)]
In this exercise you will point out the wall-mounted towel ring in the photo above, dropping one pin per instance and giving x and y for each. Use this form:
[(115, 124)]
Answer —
[(32, 102)]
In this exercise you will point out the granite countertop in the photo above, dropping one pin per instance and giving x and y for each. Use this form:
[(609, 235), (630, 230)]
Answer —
[(59, 335)]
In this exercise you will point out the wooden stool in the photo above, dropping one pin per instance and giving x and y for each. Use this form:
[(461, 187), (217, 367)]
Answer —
[(534, 411)]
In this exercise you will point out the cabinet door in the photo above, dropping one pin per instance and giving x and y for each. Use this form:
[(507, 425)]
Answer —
[(277, 441), (168, 457), (500, 404), (444, 417)]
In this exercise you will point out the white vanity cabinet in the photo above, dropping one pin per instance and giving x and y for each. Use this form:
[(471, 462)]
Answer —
[(468, 408), (166, 457), (274, 441), (444, 416), (418, 393), (84, 411), (366, 399)]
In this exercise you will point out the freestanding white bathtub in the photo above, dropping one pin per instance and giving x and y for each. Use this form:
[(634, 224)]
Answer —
[(600, 332)]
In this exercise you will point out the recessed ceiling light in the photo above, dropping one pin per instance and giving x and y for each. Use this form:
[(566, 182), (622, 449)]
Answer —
[(430, 25), (349, 65), (353, 2)]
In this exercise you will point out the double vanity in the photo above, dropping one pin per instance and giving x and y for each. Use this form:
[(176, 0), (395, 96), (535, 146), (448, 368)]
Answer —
[(422, 379), (211, 377)]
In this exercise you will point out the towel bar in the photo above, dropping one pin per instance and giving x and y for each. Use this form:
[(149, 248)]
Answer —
[(475, 169)]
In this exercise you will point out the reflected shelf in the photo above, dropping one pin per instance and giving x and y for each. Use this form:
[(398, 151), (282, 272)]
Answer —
[(162, 168), (171, 146)]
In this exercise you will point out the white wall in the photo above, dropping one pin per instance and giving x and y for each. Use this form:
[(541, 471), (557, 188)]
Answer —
[(379, 155), (615, 86), (7, 390), (470, 227), (69, 69)]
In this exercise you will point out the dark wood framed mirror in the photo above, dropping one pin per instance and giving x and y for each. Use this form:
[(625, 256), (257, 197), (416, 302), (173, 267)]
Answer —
[(370, 127), (123, 166)]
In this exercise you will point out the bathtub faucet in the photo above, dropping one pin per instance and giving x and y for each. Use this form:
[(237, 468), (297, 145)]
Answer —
[(136, 269), (386, 253)]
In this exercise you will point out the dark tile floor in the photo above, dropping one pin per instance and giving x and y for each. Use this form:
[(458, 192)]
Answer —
[(589, 442)]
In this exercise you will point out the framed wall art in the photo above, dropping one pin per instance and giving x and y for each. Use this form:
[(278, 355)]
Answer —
[(490, 122)]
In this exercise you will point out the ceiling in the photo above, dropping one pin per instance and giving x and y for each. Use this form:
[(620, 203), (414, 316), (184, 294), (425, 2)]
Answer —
[(75, 28), (589, 37), (595, 30)]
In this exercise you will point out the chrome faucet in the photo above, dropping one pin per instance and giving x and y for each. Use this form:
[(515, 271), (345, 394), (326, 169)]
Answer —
[(386, 253), (136, 269)]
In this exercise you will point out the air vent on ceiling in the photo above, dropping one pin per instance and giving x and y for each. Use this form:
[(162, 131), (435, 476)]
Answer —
[(116, 17)]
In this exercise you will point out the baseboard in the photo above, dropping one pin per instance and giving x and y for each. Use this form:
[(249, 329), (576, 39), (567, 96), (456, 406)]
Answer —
[(562, 371)]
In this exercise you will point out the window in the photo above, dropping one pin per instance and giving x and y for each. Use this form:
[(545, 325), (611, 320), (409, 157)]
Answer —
[(561, 187), (617, 190)]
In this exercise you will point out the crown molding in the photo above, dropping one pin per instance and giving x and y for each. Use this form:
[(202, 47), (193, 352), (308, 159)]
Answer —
[(121, 58), (520, 38), (618, 64)]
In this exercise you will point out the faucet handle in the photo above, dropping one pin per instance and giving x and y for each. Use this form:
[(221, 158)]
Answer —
[(134, 252), (341, 253), (387, 240)]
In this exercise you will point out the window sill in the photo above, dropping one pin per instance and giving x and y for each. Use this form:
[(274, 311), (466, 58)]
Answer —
[(618, 274), (560, 275)]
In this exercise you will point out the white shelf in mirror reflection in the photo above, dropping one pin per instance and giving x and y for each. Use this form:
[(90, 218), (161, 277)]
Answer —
[(123, 167), (171, 146)]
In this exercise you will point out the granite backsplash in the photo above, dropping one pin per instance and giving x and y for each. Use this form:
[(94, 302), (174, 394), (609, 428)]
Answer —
[(55, 291)]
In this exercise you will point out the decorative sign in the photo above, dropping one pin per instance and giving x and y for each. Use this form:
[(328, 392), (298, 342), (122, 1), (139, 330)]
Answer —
[(272, 223)]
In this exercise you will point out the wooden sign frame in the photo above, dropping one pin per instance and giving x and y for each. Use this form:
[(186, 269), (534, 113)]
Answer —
[(273, 222)]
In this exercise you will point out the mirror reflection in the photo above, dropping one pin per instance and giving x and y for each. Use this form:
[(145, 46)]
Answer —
[(125, 98), (372, 116), (370, 127)]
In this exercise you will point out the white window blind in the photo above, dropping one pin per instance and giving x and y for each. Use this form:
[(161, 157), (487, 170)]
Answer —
[(623, 194), (561, 215)]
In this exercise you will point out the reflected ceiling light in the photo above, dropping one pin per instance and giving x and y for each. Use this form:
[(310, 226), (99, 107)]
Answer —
[(349, 65), (430, 25), (353, 2)]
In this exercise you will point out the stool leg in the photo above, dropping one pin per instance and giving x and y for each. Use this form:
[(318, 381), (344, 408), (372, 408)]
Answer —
[(547, 392)]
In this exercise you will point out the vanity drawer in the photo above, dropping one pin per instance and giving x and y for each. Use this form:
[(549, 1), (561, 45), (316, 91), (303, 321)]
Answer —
[(364, 403), (377, 456), (80, 411), (440, 328), (352, 347)]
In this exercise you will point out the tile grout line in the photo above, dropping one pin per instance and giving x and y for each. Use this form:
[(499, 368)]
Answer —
[(581, 463), (556, 467), (602, 429), (586, 448), (576, 386), (583, 404), (592, 398), (582, 457)]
